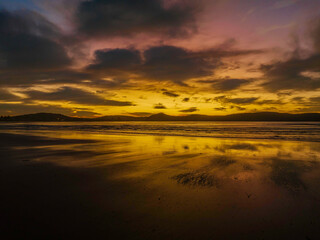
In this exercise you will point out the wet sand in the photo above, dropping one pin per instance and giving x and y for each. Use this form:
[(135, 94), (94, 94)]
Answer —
[(58, 185)]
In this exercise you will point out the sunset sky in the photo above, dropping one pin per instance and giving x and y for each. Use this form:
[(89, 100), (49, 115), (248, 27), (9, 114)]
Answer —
[(139, 57)]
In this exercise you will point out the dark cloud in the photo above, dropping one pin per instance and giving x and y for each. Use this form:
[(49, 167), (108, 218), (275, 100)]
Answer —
[(308, 109), (160, 63), (284, 93), (116, 60), (269, 102), (220, 109), (186, 100), (296, 73), (298, 99), (69, 76), (311, 104), (189, 110), (76, 96), (109, 18), (170, 94), (26, 21), (159, 106), (315, 99), (238, 52), (29, 41), (175, 64), (226, 84), (289, 74), (206, 99), (238, 108), (22, 78), (224, 99), (108, 84)]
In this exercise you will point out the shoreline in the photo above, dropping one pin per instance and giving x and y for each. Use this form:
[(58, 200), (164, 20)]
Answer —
[(137, 133)]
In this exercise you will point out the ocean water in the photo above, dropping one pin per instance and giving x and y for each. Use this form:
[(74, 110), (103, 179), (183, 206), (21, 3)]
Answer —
[(299, 131)]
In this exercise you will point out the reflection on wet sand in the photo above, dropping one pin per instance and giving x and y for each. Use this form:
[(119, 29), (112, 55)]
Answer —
[(159, 187)]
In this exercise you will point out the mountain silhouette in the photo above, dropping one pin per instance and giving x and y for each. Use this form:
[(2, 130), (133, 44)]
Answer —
[(259, 116)]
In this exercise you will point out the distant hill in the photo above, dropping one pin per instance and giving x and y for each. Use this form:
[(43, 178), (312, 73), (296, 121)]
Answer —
[(41, 117), (259, 116)]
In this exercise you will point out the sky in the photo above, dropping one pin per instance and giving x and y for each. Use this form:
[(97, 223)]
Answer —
[(140, 57)]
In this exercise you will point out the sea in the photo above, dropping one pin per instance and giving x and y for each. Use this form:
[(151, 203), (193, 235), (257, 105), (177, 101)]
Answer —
[(295, 131)]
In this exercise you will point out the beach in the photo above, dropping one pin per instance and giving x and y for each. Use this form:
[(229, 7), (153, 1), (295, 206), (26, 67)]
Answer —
[(69, 184)]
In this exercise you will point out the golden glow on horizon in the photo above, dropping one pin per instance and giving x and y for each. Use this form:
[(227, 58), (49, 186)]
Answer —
[(144, 101)]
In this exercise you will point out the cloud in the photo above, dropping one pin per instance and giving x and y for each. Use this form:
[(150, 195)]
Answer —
[(226, 84), (238, 108), (159, 106), (296, 73), (170, 94), (220, 109), (290, 74), (160, 63), (116, 60), (224, 99), (269, 102), (29, 41), (311, 104), (315, 99), (25, 78), (109, 18), (34, 51), (189, 110), (175, 64), (186, 100), (76, 96)]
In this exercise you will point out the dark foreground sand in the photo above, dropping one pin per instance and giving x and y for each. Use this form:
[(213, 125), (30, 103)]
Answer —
[(172, 188)]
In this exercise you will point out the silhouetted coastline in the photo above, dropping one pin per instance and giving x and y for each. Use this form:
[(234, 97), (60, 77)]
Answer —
[(259, 116)]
